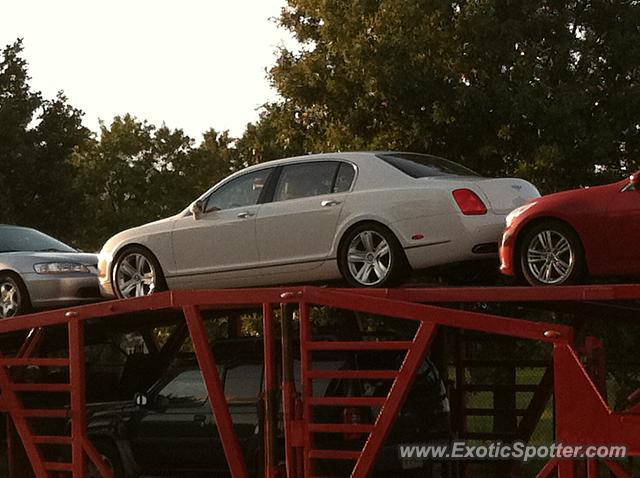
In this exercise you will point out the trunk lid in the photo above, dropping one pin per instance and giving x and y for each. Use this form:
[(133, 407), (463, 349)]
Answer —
[(506, 194)]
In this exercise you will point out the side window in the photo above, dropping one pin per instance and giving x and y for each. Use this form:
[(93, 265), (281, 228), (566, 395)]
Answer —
[(243, 382), (187, 389), (345, 176), (306, 179), (240, 192)]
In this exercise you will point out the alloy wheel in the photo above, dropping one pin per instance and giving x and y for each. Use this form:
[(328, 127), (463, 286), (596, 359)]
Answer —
[(550, 257), (135, 276), (9, 299), (369, 258)]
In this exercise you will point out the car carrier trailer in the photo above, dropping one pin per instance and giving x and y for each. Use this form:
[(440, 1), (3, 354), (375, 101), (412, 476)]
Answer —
[(574, 374)]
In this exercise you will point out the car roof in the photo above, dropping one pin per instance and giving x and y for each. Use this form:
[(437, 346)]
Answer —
[(344, 155)]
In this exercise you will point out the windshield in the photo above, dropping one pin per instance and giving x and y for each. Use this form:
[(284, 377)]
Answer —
[(23, 239), (425, 165)]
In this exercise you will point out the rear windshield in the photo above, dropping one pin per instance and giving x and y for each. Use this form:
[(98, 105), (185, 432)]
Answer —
[(23, 239), (425, 166)]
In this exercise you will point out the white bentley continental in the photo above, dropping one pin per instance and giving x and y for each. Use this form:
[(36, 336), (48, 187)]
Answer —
[(367, 217)]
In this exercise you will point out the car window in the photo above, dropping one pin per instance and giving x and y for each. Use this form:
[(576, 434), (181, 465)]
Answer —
[(425, 165), (243, 382), (186, 389), (345, 176), (240, 192), (25, 239), (311, 178)]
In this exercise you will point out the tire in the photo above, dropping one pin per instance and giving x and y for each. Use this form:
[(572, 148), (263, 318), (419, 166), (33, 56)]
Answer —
[(137, 273), (111, 456), (551, 253), (14, 297), (371, 256)]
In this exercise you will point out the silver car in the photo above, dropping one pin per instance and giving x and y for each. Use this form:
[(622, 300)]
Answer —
[(40, 272)]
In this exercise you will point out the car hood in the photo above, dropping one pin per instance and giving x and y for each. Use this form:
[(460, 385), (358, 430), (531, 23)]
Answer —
[(106, 409), (24, 260), (573, 195)]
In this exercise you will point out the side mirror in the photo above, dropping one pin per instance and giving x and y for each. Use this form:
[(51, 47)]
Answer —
[(141, 399), (634, 181), (197, 208)]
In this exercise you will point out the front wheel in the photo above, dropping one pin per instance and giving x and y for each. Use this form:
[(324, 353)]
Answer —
[(371, 257), (111, 458), (552, 254), (14, 298), (137, 273)]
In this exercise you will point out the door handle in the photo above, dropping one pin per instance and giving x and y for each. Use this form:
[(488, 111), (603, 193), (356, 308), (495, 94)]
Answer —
[(329, 203), (244, 214)]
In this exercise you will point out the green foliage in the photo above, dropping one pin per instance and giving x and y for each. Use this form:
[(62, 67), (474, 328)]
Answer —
[(547, 91), (37, 137), (137, 173)]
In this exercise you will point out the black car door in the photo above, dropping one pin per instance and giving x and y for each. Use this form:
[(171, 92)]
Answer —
[(176, 432)]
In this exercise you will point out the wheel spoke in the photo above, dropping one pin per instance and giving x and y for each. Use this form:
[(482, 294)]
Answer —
[(560, 268), (367, 240), (127, 268), (379, 269), (356, 256), (128, 287), (148, 279), (382, 249), (363, 273), (144, 265)]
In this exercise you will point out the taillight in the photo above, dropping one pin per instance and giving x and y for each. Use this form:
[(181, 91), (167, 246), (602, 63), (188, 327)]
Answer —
[(469, 202), (352, 416)]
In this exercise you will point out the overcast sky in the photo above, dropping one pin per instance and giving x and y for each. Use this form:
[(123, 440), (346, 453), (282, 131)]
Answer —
[(194, 64)]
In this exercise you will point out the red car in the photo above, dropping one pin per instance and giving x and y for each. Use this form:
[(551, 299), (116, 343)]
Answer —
[(562, 237)]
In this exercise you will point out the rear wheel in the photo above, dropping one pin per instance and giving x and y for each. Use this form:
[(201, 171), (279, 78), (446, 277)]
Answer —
[(552, 254), (14, 298), (137, 273), (371, 256)]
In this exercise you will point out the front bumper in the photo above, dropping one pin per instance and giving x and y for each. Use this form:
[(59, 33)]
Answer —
[(48, 291), (506, 253), (106, 289)]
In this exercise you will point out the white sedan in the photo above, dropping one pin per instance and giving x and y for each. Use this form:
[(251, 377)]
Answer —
[(366, 217)]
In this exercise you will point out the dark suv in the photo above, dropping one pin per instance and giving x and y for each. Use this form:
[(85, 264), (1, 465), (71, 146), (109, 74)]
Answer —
[(174, 434)]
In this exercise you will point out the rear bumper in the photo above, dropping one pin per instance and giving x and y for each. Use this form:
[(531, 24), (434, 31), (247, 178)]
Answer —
[(48, 291), (470, 238)]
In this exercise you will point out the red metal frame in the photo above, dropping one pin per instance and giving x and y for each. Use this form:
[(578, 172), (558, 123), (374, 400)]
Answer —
[(582, 414)]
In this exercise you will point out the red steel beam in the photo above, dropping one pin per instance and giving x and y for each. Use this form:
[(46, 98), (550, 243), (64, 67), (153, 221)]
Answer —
[(604, 292), (553, 333), (78, 404), (271, 393), (14, 406), (583, 417), (306, 362), (215, 390), (396, 398)]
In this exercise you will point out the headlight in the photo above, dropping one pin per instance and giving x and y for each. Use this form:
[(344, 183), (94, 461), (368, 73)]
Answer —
[(517, 212), (59, 268)]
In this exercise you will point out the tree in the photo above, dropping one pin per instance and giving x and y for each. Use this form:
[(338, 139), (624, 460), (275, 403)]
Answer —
[(37, 137), (544, 90), (137, 173)]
